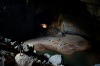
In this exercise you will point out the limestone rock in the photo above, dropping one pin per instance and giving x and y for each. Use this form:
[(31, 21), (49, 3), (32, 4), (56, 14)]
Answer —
[(65, 45)]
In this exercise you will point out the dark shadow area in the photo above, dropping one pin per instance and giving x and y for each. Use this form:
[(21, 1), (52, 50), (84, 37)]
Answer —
[(21, 19)]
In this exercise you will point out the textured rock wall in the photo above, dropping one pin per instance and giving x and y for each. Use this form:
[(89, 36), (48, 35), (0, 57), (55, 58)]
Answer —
[(93, 6)]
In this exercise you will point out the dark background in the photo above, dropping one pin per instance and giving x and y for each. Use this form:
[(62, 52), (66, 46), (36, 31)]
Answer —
[(20, 19)]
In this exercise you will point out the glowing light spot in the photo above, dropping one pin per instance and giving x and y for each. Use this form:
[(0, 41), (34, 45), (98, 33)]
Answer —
[(44, 25)]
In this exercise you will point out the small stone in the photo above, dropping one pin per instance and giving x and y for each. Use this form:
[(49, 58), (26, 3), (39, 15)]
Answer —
[(7, 40), (61, 65), (60, 44), (2, 59), (65, 43), (12, 54), (38, 61), (16, 47), (12, 43), (77, 46), (44, 62), (34, 51), (50, 40), (1, 37), (58, 39), (47, 55)]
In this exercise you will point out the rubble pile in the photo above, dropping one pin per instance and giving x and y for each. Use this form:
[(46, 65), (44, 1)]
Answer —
[(25, 55)]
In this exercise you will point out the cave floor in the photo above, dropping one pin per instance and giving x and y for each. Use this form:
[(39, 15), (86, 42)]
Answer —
[(78, 58)]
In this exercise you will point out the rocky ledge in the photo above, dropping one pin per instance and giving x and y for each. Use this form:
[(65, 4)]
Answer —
[(67, 44)]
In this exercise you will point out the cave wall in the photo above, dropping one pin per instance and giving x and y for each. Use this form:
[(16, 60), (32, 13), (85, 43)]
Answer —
[(16, 21), (21, 19), (93, 6)]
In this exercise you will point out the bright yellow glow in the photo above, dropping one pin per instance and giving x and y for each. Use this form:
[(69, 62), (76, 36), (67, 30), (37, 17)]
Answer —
[(44, 25)]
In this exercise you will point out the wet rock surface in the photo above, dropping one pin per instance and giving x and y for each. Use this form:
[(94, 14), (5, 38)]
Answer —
[(65, 45)]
